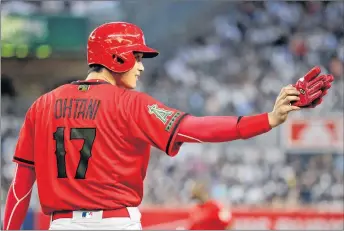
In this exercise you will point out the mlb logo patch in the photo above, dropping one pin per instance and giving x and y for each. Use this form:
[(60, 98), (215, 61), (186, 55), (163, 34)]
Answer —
[(87, 214)]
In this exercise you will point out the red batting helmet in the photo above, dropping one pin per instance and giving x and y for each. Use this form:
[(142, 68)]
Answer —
[(112, 45)]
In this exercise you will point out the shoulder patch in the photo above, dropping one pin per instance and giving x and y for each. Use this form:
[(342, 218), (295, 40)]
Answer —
[(161, 113)]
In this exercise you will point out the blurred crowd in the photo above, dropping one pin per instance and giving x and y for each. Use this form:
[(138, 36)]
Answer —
[(237, 68), (247, 176), (254, 50)]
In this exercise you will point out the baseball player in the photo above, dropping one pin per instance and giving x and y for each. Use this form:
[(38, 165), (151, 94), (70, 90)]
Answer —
[(87, 143), (208, 214)]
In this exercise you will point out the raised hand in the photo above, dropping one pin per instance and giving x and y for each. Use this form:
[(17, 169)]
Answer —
[(283, 105)]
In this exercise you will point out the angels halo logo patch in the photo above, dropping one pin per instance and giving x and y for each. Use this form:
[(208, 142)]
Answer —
[(160, 113)]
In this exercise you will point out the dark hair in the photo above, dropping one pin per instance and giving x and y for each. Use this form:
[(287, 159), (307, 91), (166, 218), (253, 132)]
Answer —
[(98, 68), (95, 68)]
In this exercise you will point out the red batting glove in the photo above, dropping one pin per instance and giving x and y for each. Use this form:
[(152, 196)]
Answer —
[(327, 79), (310, 86)]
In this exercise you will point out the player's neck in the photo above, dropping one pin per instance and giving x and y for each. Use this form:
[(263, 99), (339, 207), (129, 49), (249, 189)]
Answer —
[(104, 75)]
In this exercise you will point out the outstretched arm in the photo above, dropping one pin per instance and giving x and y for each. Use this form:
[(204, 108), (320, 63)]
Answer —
[(227, 128), (221, 128), (18, 198)]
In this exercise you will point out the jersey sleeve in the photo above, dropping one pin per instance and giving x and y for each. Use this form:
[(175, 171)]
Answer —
[(155, 123), (24, 152)]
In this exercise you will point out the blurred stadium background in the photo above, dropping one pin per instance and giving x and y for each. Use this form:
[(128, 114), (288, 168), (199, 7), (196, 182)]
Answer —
[(217, 58)]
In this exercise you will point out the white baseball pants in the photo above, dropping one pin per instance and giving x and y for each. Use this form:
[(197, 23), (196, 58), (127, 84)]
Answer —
[(96, 222)]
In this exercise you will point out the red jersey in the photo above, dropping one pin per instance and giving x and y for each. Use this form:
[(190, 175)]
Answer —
[(89, 142), (210, 216)]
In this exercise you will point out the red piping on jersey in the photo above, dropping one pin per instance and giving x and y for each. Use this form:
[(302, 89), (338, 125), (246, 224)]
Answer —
[(221, 128), (16, 205)]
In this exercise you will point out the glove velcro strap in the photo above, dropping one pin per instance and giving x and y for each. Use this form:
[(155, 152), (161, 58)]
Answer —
[(250, 126)]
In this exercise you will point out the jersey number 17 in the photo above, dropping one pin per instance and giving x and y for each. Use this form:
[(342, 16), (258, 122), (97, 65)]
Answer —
[(88, 135)]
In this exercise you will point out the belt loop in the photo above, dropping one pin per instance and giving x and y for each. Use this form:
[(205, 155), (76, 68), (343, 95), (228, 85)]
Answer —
[(134, 213)]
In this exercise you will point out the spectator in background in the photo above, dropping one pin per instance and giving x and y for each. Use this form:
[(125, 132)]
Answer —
[(8, 94), (7, 86), (336, 67)]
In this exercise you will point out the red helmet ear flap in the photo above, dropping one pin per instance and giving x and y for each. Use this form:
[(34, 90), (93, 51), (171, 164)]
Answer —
[(122, 62)]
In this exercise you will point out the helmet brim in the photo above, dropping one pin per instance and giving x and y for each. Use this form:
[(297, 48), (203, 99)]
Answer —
[(146, 51), (141, 48)]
